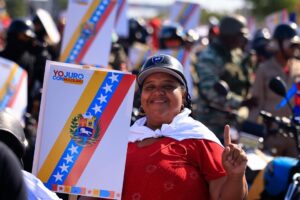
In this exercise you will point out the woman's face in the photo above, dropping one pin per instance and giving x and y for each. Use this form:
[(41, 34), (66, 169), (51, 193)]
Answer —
[(162, 99)]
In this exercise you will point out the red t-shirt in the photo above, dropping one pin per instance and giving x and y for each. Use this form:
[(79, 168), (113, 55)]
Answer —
[(171, 169)]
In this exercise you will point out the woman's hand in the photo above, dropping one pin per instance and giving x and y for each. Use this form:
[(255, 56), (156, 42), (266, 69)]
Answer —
[(234, 158)]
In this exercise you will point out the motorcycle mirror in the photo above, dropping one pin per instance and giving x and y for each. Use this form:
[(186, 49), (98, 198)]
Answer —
[(278, 86), (222, 88)]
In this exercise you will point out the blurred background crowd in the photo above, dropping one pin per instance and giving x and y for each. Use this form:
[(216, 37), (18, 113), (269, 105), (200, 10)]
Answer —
[(231, 55)]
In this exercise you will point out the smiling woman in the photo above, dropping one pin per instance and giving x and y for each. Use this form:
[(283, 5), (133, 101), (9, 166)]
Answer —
[(172, 156)]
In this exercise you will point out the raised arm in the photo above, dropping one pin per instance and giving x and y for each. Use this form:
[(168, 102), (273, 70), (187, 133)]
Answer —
[(234, 160)]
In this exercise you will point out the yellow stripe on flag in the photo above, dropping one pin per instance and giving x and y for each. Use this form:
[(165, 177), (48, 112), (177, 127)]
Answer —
[(175, 54), (5, 86), (64, 136), (77, 32)]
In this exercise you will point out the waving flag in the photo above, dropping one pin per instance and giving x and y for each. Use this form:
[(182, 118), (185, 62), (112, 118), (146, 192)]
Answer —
[(13, 87), (87, 36), (82, 134)]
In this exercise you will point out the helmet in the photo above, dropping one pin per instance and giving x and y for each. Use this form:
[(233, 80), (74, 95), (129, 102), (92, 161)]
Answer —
[(12, 133), (166, 64), (138, 30), (20, 26), (286, 32), (170, 31), (233, 25), (261, 39), (277, 175), (162, 63)]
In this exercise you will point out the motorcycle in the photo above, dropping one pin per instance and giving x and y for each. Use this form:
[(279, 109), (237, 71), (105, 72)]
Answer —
[(281, 175)]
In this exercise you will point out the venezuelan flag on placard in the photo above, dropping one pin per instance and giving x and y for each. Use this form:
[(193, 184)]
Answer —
[(83, 38), (13, 87), (187, 14), (75, 159)]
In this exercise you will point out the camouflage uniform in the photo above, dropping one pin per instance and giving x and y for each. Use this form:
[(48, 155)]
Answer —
[(213, 64)]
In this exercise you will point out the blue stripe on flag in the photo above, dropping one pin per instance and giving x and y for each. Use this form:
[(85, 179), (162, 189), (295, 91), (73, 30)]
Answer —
[(87, 31)]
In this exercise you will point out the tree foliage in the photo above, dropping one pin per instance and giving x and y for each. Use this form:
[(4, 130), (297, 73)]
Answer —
[(16, 8), (63, 4), (262, 8)]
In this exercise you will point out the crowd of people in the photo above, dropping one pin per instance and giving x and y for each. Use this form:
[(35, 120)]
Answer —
[(180, 144)]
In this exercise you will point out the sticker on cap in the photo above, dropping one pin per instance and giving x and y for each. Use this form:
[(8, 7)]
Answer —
[(157, 59)]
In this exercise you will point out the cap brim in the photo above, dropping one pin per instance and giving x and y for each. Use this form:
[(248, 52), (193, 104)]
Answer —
[(144, 74)]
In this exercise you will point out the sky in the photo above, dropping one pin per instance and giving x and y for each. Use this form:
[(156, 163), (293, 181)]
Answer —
[(212, 5)]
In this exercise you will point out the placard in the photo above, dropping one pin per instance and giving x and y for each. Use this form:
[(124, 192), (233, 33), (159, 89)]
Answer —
[(187, 14), (83, 129), (88, 32), (13, 88)]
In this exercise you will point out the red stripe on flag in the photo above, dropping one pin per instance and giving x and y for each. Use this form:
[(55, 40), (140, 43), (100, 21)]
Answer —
[(13, 99), (189, 15), (119, 11), (98, 27), (185, 55), (104, 121)]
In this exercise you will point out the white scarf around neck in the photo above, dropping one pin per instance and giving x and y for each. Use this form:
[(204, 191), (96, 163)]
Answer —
[(182, 127)]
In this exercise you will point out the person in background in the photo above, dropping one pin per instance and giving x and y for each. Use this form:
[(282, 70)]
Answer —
[(213, 29), (171, 36), (256, 53), (12, 135), (12, 185), (155, 24), (221, 60), (23, 48), (285, 45), (172, 156), (259, 44), (47, 32)]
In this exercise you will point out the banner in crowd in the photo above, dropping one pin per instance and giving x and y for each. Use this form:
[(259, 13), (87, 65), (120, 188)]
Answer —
[(187, 14), (276, 18), (13, 87), (83, 129), (88, 32), (121, 20)]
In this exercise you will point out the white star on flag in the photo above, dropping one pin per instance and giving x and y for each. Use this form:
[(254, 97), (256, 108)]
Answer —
[(64, 168), (107, 88), (73, 149), (113, 78), (69, 158), (58, 177), (102, 98), (97, 108)]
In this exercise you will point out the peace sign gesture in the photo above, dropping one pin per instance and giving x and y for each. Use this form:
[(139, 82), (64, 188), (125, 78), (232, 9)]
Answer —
[(234, 158)]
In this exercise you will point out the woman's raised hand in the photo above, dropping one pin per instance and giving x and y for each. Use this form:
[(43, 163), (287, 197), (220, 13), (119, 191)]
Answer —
[(234, 158)]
